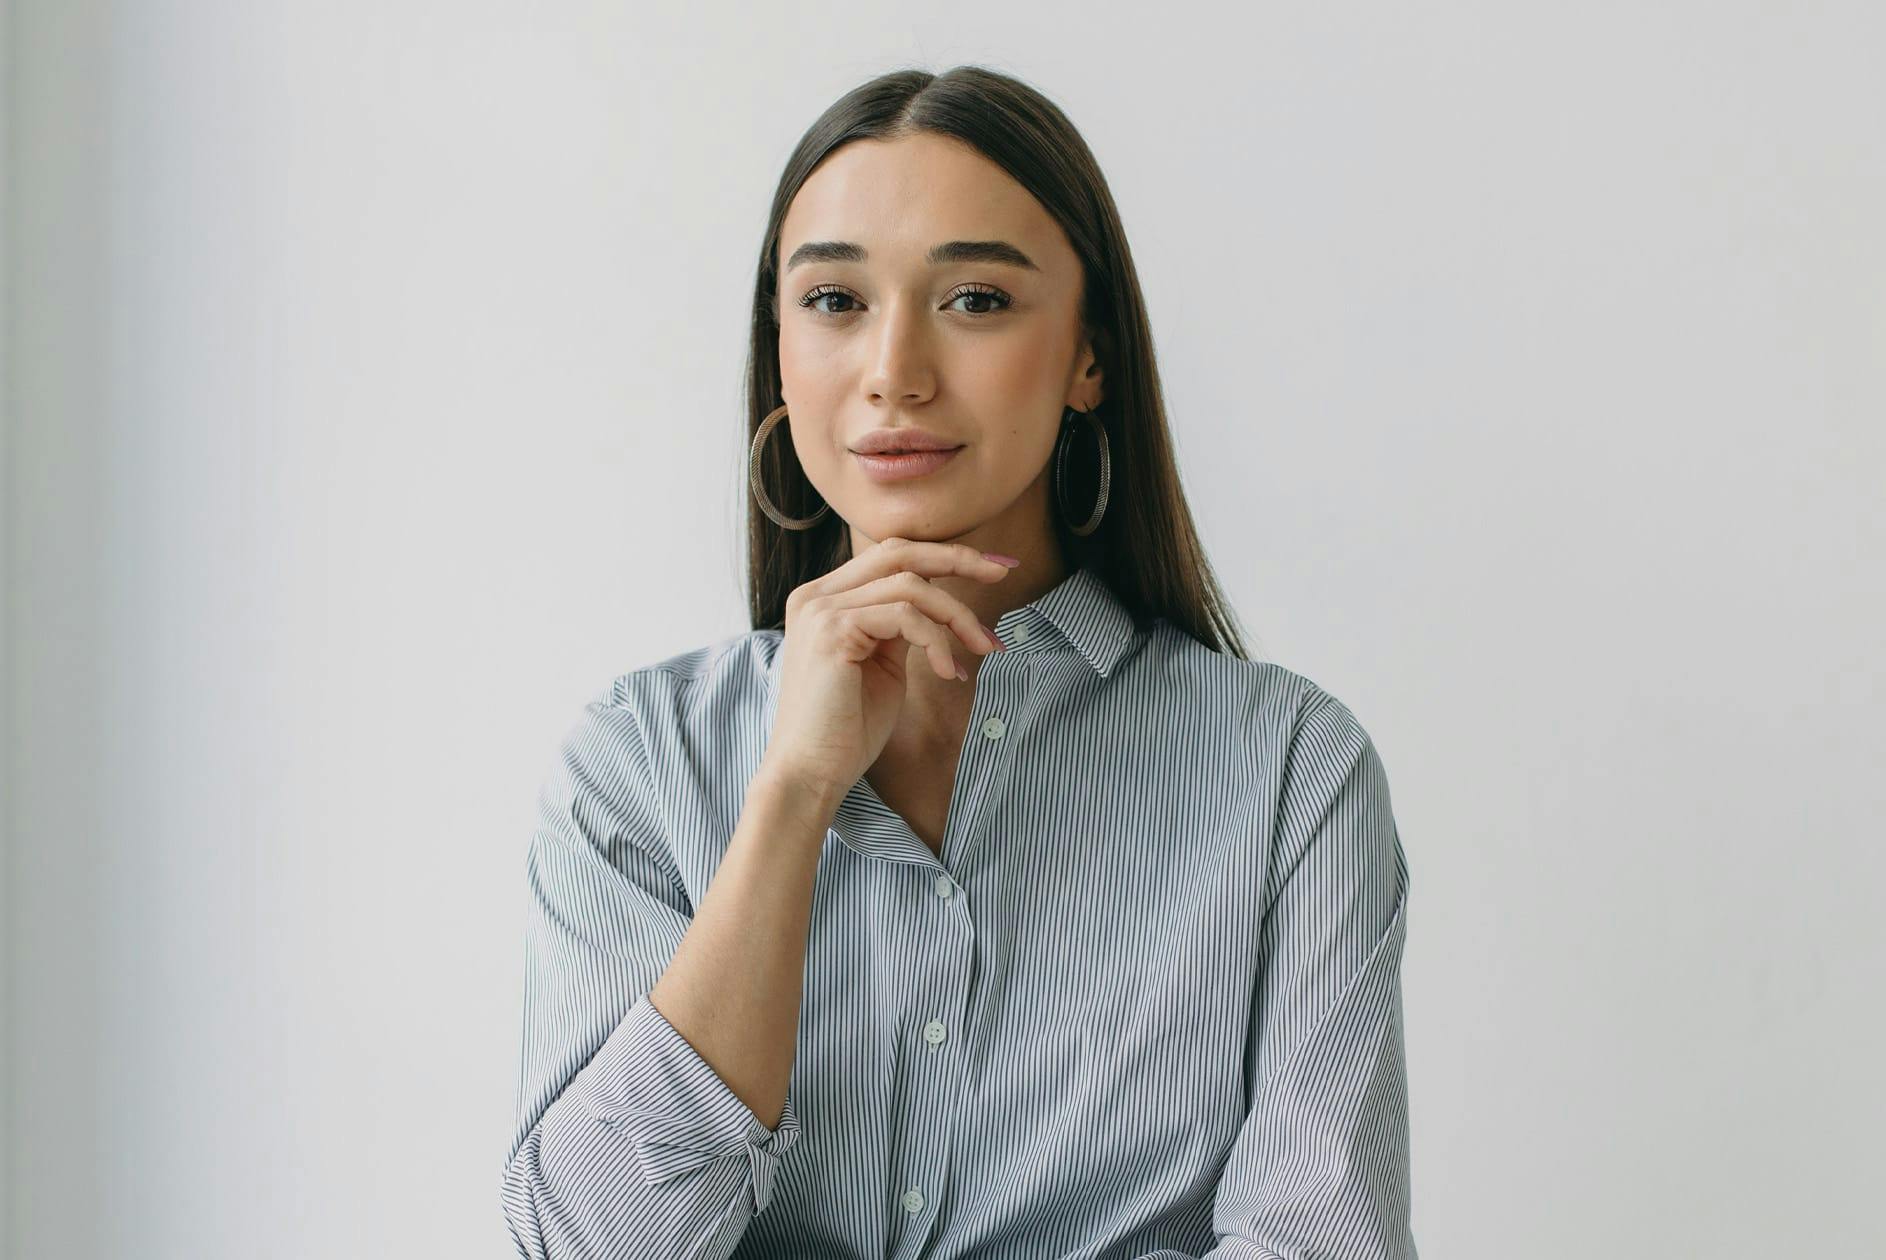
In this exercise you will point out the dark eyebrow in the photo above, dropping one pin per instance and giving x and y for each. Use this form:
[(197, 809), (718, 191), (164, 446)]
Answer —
[(947, 252)]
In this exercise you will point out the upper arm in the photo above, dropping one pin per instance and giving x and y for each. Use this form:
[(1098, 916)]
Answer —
[(1335, 883), (606, 909)]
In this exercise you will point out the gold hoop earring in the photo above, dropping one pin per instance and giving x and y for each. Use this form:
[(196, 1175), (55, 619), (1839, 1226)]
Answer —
[(760, 435), (1060, 464)]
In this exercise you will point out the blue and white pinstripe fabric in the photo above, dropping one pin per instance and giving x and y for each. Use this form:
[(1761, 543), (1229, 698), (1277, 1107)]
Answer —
[(1146, 1005)]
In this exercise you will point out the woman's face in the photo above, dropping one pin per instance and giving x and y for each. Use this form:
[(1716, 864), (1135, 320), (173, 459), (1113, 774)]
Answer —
[(982, 349)]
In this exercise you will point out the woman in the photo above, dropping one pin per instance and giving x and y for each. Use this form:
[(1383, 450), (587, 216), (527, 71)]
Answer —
[(870, 932)]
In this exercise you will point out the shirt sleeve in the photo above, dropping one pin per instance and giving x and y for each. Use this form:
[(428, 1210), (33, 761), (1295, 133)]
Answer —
[(1320, 1168), (627, 1142)]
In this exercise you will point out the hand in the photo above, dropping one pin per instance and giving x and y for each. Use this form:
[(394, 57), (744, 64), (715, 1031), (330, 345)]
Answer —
[(848, 633)]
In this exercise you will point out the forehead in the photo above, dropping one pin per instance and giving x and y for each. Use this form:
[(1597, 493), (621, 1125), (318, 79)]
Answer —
[(899, 197)]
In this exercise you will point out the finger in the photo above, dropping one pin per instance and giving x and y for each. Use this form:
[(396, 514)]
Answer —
[(928, 559), (935, 603), (902, 620)]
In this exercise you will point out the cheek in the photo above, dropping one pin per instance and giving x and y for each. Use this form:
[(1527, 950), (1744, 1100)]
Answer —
[(1022, 367), (794, 369), (811, 372), (810, 388)]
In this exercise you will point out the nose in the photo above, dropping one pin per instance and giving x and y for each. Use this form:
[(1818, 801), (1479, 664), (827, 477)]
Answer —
[(900, 367)]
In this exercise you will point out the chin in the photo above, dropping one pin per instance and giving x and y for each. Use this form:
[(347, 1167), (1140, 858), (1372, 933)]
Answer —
[(917, 525)]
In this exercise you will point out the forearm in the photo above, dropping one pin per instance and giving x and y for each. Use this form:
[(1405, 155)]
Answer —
[(734, 987)]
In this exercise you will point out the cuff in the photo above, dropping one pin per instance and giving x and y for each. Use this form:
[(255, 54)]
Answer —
[(649, 1084)]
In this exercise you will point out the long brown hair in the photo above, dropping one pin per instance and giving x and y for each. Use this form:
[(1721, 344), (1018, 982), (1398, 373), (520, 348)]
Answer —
[(1146, 548)]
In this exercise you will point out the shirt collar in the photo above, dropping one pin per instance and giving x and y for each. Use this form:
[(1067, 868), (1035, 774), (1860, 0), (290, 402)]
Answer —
[(1084, 612), (1080, 612)]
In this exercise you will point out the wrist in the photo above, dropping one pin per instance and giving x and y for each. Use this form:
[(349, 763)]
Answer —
[(811, 796)]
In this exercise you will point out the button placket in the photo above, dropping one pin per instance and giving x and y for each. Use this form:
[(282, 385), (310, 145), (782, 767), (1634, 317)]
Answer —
[(935, 1079), (938, 1087)]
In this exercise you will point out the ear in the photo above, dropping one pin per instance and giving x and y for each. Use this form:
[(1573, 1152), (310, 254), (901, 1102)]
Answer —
[(1089, 389)]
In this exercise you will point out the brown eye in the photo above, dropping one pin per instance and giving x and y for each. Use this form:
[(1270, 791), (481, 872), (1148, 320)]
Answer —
[(985, 295), (812, 299)]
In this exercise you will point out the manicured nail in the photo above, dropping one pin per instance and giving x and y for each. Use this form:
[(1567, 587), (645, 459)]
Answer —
[(999, 558), (992, 637), (961, 672)]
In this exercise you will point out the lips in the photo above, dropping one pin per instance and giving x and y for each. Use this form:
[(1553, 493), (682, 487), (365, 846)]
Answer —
[(902, 440), (890, 466)]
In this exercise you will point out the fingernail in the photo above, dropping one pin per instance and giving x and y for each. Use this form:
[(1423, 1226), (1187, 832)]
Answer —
[(961, 672), (992, 637), (999, 558)]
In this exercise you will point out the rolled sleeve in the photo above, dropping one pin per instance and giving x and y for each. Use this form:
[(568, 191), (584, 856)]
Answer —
[(627, 1142), (675, 1112)]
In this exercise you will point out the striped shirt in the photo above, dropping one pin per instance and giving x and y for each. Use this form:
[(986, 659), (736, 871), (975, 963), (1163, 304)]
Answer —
[(1145, 1005)]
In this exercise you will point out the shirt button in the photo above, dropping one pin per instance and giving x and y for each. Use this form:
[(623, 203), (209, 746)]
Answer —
[(1018, 633), (993, 727), (944, 886), (934, 1032), (913, 1202)]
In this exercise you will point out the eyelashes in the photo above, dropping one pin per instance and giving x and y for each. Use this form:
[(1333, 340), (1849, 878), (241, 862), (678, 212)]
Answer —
[(1002, 300)]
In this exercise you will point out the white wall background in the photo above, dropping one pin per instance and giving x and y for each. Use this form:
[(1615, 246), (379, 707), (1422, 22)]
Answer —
[(372, 396)]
